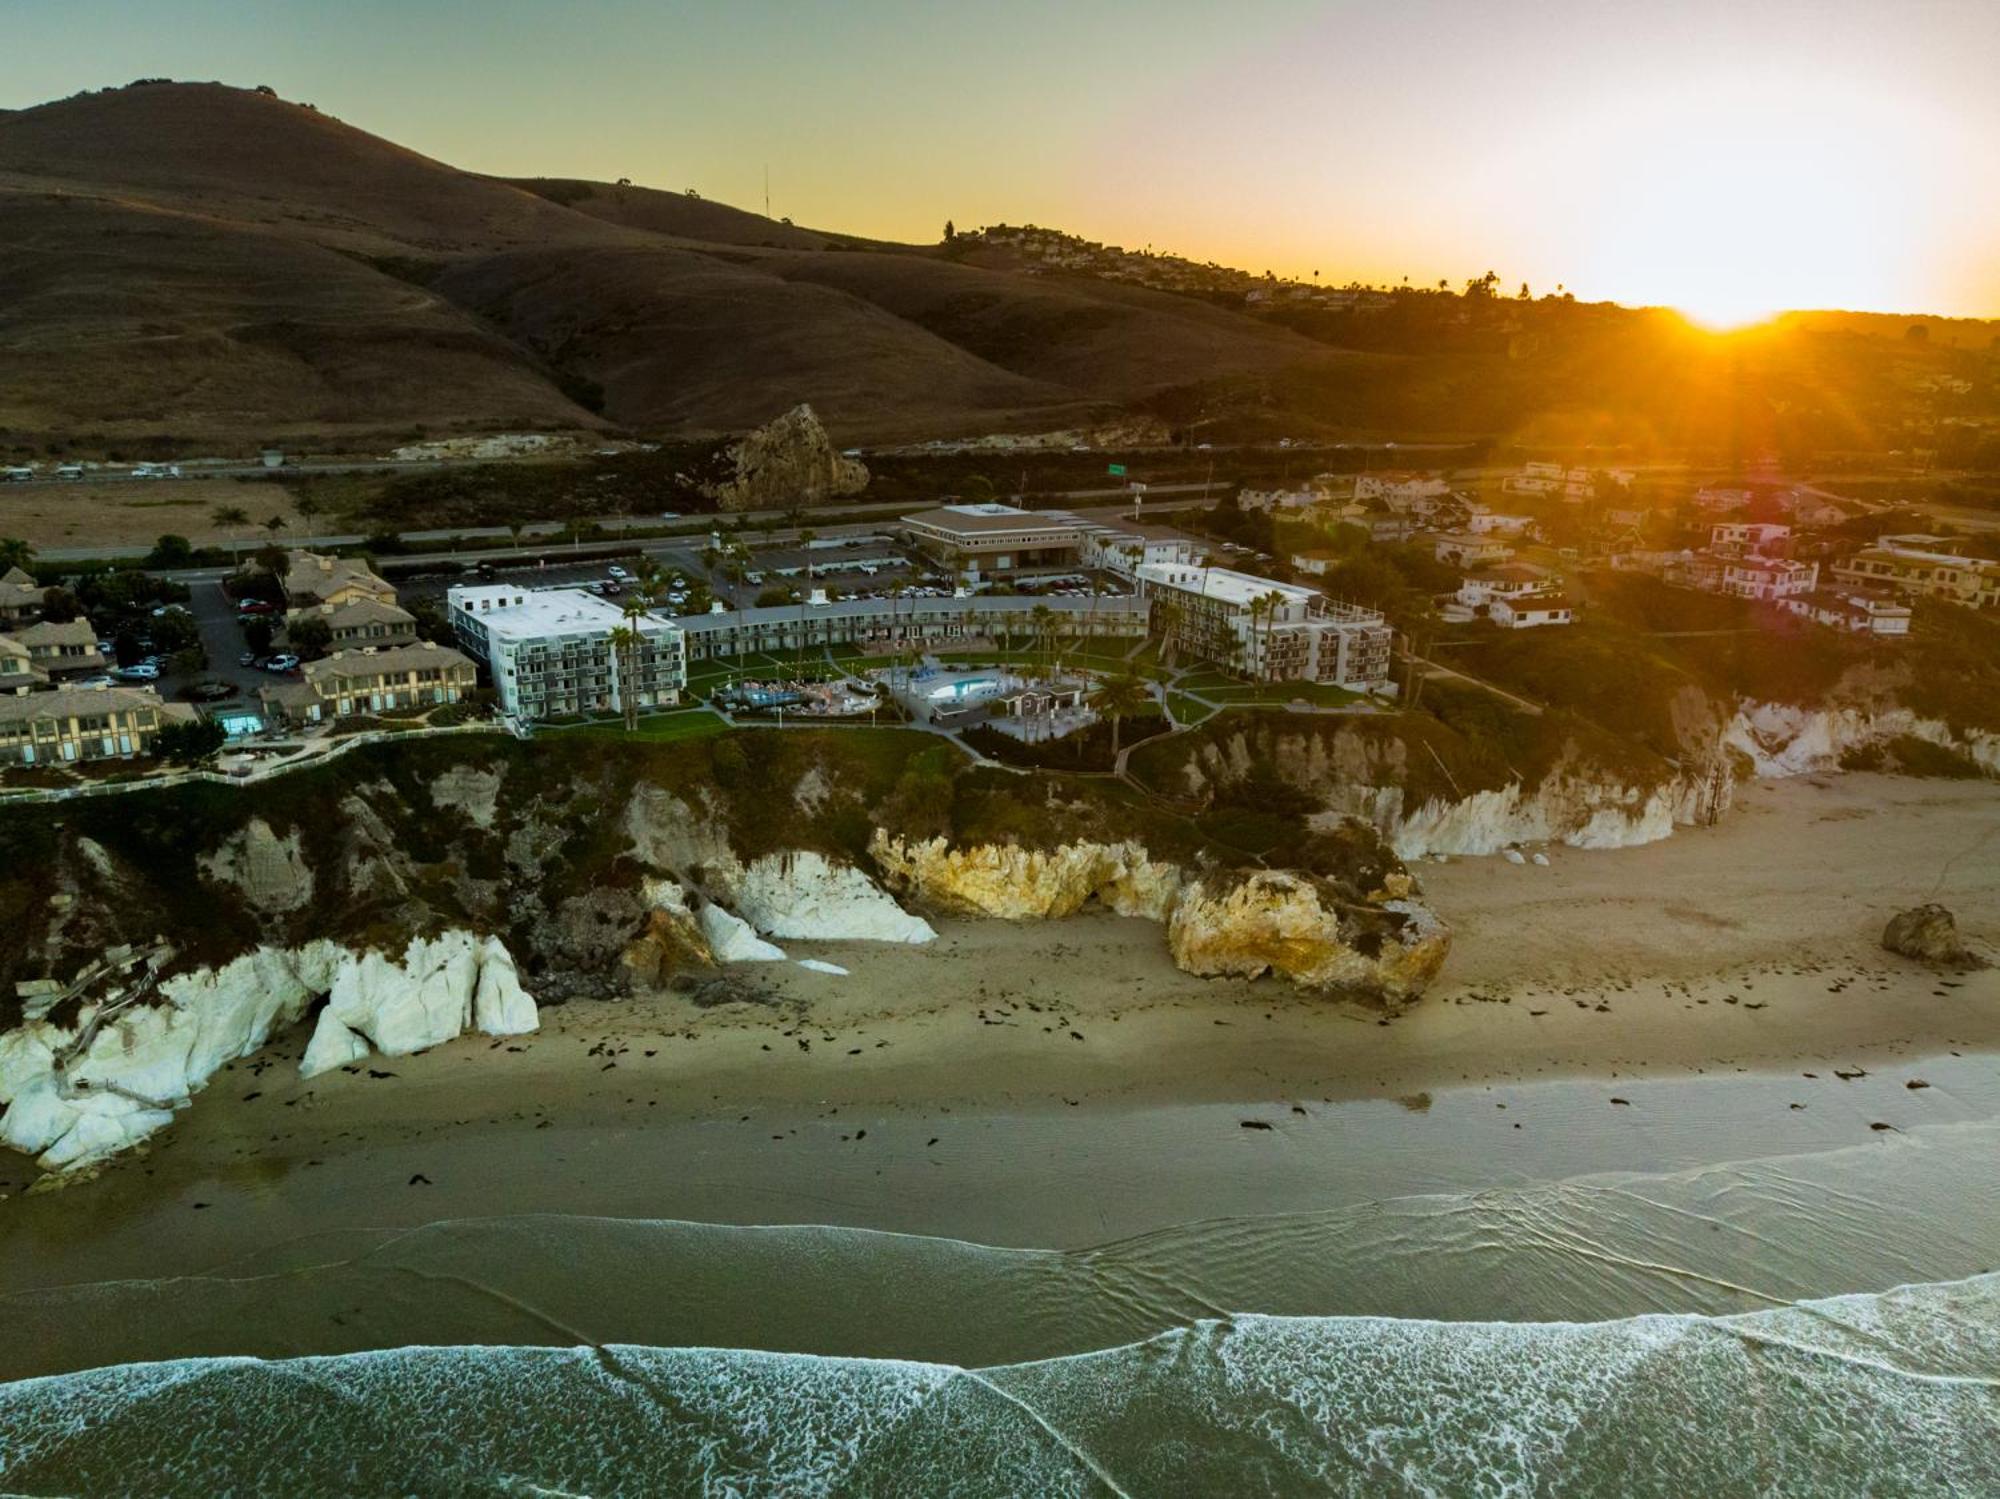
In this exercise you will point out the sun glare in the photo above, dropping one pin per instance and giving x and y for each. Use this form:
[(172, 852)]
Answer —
[(1735, 206)]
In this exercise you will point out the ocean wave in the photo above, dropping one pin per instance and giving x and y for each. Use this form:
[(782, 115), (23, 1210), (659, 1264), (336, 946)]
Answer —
[(1888, 1393)]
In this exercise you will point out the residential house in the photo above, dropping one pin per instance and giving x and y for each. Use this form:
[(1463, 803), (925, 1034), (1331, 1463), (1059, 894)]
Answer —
[(1401, 488), (1767, 578), (1124, 547), (1527, 611), (374, 681), (1711, 497), (20, 598), (361, 623), (83, 723), (1749, 539), (312, 579), (18, 672), (1469, 550), (1275, 501), (62, 650), (1923, 565), (1484, 520), (1516, 580), (1858, 611), (1266, 630)]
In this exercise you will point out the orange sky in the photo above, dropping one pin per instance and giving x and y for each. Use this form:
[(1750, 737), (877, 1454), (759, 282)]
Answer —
[(1728, 158)]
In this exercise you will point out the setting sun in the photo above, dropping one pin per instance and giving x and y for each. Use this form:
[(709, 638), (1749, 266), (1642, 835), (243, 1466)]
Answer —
[(1733, 200)]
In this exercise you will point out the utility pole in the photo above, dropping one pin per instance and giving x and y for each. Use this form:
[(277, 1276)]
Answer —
[(767, 189)]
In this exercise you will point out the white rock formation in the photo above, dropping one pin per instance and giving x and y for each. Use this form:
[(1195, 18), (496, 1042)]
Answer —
[(1784, 740), (819, 965), (1580, 811), (734, 940), (78, 1093), (809, 897), (500, 1006)]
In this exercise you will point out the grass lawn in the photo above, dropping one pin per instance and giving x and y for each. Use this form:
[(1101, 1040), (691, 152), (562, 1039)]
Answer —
[(1279, 694), (1187, 710), (678, 723), (1206, 679)]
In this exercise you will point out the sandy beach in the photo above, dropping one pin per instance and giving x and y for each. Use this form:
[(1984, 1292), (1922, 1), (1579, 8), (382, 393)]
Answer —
[(1062, 1083)]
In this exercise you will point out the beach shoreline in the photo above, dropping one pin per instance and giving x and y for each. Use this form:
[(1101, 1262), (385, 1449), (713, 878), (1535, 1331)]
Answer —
[(1080, 1039)]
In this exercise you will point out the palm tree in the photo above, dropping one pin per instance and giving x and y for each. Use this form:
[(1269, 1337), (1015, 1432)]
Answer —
[(228, 518), (1116, 698), (1044, 617), (274, 524), (806, 538), (307, 504), (14, 553), (1273, 602), (625, 642), (1166, 622)]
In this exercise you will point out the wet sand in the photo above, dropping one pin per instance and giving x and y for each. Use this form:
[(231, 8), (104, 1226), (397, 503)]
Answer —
[(1046, 1084)]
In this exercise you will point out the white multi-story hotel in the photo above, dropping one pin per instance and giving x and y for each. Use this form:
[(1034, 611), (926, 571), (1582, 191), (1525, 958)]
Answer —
[(1268, 631), (550, 652)]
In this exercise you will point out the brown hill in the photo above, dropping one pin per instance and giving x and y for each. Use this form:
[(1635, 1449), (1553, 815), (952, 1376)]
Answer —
[(225, 267)]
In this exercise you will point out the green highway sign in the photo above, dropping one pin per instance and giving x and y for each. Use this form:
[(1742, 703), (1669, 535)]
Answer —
[(1116, 470)]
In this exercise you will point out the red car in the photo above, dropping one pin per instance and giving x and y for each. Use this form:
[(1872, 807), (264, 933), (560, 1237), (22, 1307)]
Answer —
[(256, 606)]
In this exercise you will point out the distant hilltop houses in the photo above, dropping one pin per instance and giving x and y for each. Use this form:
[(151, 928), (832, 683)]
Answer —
[(1051, 249)]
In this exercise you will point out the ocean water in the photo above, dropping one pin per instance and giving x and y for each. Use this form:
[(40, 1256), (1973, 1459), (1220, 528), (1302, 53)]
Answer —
[(1736, 1328), (1891, 1393)]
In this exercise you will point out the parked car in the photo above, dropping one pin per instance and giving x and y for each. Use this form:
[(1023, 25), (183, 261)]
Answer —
[(616, 571), (253, 606), (209, 692), (282, 663), (248, 658), (96, 681), (138, 671)]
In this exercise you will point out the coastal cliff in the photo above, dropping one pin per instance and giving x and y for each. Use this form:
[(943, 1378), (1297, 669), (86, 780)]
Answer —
[(409, 893)]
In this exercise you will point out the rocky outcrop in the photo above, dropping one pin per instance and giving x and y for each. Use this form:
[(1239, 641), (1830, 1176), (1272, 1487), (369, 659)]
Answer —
[(1018, 884), (1298, 926), (441, 988), (809, 897), (81, 1088), (672, 940), (1782, 739), (269, 871), (1576, 807), (1929, 934), (787, 461), (733, 940)]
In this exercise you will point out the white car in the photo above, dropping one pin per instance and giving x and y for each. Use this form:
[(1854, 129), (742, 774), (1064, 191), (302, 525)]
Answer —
[(138, 671), (282, 663), (616, 571)]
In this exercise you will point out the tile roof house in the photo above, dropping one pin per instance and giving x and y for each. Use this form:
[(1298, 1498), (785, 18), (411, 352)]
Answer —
[(62, 650), (18, 672), (83, 723), (20, 597), (312, 579)]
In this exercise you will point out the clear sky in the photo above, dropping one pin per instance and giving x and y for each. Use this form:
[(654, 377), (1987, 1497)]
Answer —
[(1725, 156)]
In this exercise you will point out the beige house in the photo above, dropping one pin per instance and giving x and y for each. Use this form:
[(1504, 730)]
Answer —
[(62, 650), (83, 723), (1924, 565), (361, 623), (18, 672), (20, 598), (312, 579), (375, 681)]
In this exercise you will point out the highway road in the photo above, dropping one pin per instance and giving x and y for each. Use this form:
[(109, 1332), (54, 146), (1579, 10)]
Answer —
[(552, 537)]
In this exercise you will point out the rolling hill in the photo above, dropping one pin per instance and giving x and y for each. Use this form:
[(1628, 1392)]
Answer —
[(219, 266)]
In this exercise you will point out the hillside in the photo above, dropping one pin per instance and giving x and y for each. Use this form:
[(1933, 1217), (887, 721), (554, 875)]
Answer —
[(223, 267), (213, 268)]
